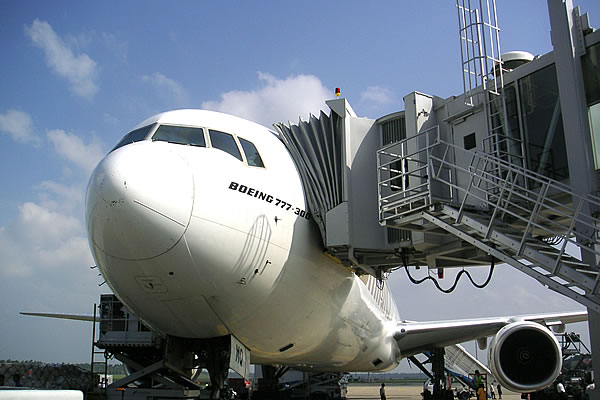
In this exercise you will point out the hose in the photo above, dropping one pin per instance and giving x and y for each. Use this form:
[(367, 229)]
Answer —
[(456, 280)]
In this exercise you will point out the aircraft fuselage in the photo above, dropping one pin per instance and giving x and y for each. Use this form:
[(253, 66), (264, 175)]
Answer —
[(199, 242)]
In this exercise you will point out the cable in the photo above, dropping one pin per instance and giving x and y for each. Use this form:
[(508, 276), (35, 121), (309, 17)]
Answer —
[(458, 276)]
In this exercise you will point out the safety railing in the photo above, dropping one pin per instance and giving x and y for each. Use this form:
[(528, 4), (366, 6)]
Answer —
[(403, 175), (422, 170)]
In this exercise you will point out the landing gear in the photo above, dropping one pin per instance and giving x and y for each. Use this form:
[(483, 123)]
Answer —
[(437, 375), (165, 367), (214, 355), (268, 384)]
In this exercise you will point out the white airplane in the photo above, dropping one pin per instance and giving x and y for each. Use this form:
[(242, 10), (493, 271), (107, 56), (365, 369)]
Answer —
[(199, 224)]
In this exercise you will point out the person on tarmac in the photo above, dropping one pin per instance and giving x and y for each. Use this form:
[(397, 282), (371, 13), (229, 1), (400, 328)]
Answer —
[(382, 391), (481, 394)]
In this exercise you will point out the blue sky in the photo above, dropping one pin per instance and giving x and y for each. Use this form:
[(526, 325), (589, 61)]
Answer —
[(76, 76)]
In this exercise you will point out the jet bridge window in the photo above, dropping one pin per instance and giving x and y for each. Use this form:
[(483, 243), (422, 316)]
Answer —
[(226, 142), (180, 135), (590, 64), (134, 136), (542, 124), (251, 152)]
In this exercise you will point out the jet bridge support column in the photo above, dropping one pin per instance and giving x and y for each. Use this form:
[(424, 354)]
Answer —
[(569, 45)]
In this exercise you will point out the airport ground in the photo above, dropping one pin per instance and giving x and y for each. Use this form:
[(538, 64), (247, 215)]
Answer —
[(400, 392)]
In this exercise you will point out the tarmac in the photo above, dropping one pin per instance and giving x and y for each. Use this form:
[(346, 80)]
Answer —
[(403, 392)]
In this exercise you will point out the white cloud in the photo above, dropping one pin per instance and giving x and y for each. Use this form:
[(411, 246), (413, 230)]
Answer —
[(41, 238), (162, 83), (72, 148), (277, 100), (79, 41), (79, 69), (53, 225), (58, 196), (378, 95), (44, 266), (19, 126)]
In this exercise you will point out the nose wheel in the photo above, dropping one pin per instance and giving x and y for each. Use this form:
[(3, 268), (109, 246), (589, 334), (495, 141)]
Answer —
[(216, 356)]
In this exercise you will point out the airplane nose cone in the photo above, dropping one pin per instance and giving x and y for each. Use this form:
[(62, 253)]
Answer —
[(139, 201)]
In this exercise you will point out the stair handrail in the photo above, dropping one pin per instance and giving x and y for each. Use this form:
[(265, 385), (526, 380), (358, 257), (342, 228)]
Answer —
[(503, 189), (510, 190)]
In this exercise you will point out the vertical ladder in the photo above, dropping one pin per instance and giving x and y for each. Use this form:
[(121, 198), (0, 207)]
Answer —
[(480, 48), (482, 76)]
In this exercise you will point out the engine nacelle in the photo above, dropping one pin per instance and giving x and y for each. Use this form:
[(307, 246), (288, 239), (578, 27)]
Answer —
[(525, 357)]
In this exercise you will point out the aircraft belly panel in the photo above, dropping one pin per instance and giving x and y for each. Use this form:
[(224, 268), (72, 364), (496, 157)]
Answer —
[(194, 316)]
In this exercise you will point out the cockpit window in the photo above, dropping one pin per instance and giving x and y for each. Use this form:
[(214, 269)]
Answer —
[(225, 142), (134, 136), (251, 152), (180, 135)]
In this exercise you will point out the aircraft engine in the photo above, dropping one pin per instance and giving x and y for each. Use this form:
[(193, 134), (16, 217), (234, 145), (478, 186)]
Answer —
[(525, 357)]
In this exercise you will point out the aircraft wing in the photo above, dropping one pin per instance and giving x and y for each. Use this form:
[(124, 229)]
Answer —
[(417, 337), (77, 317)]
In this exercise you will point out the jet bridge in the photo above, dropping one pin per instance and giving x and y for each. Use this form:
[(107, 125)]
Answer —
[(456, 182), (446, 194), (335, 155), (502, 176), (344, 171), (505, 172)]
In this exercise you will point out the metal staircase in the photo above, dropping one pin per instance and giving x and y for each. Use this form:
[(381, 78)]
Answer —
[(522, 218)]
